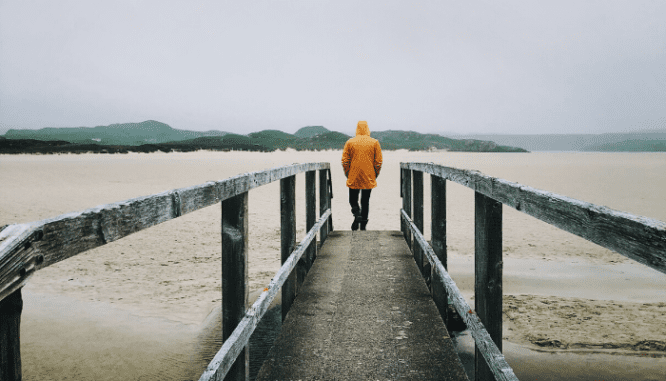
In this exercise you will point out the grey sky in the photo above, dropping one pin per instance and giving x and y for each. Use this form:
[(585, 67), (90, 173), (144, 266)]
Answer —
[(439, 66)]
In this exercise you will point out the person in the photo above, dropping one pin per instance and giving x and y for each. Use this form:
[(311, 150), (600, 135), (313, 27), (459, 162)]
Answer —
[(361, 161)]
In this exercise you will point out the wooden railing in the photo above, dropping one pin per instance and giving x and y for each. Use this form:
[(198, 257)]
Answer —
[(26, 248), (639, 238)]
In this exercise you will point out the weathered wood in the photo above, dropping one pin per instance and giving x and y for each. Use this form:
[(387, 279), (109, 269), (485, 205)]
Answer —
[(70, 234), (288, 238), (323, 203), (407, 202), (417, 178), (639, 238), (493, 356), (488, 274), (330, 196), (438, 241), (234, 276), (233, 346), (310, 214), (10, 332)]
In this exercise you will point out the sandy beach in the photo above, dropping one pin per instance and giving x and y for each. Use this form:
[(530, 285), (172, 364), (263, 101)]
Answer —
[(599, 301)]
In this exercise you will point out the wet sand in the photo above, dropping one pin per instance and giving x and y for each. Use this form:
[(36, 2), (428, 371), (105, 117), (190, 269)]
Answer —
[(171, 272)]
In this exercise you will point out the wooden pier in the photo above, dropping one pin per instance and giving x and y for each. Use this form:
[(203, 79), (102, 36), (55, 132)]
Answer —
[(364, 313), (372, 304)]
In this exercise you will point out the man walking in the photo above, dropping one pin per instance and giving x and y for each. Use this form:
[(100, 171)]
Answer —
[(361, 161)]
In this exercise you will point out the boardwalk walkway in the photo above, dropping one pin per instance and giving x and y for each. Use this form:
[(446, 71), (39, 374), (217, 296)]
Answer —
[(364, 312)]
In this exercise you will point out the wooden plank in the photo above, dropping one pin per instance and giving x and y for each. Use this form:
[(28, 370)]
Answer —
[(323, 203), (232, 347), (639, 238), (20, 260), (501, 370), (73, 233), (330, 196), (235, 290), (417, 179), (310, 214), (438, 241), (10, 332), (288, 237), (407, 202), (488, 274)]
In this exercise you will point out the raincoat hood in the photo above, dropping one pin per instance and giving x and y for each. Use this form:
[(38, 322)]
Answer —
[(362, 128)]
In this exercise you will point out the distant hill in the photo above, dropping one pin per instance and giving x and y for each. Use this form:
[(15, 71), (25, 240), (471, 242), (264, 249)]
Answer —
[(310, 131), (146, 132), (150, 136), (570, 142)]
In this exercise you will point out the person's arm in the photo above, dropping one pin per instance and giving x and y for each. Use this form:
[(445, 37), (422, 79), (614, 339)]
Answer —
[(346, 159), (378, 159)]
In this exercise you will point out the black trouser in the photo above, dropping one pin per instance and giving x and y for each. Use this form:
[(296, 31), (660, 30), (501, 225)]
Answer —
[(365, 201)]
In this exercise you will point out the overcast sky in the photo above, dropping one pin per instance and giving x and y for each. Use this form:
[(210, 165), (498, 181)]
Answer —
[(242, 66)]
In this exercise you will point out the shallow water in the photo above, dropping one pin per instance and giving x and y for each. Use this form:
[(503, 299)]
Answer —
[(529, 364), (66, 339)]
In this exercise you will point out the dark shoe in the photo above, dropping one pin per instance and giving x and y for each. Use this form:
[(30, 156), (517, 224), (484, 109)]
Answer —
[(363, 224), (355, 223)]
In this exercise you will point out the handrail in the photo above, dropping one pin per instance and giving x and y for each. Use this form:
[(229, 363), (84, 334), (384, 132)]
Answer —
[(232, 347), (493, 356), (640, 238), (26, 248)]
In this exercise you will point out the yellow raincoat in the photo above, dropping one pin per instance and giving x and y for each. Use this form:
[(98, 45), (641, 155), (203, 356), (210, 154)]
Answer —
[(362, 159)]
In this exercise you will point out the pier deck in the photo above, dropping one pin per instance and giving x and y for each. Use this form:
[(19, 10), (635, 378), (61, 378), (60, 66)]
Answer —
[(363, 312)]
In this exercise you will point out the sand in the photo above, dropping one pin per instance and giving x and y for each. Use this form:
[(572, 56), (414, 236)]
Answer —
[(600, 300)]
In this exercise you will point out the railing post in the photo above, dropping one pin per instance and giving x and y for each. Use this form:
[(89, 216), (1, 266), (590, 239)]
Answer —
[(417, 178), (234, 276), (438, 242), (407, 202), (488, 274), (10, 329), (310, 217), (329, 194), (323, 203), (288, 237)]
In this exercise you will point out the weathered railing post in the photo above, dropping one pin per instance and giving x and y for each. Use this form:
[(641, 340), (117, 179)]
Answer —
[(329, 194), (323, 202), (10, 329), (488, 274), (417, 178), (406, 186), (234, 276), (438, 242), (310, 215), (288, 237)]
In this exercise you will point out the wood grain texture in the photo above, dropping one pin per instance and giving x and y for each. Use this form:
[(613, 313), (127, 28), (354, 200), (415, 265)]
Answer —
[(225, 357), (10, 333), (438, 242), (235, 290), (487, 274), (288, 238), (26, 248), (500, 369), (639, 238)]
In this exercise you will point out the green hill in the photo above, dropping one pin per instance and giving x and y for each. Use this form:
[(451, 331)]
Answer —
[(311, 131), (149, 131), (150, 136)]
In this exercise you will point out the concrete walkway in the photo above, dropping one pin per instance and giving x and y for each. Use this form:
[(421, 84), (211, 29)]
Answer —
[(364, 312)]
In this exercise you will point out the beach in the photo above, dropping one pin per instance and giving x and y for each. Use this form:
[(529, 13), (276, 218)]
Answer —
[(561, 293)]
